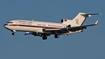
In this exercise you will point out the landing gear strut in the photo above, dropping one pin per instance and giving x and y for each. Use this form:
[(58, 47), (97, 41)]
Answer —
[(13, 32)]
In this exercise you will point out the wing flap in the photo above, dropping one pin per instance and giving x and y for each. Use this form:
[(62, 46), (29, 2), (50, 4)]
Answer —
[(50, 30)]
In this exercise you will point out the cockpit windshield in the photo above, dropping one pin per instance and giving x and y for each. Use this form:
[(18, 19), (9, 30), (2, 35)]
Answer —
[(9, 22)]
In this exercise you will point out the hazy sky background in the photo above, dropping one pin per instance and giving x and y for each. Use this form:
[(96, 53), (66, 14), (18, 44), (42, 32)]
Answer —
[(89, 44)]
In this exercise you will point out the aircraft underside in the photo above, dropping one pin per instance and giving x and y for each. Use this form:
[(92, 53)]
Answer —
[(36, 31)]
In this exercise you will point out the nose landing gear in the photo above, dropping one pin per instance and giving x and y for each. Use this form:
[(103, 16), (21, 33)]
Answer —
[(13, 32)]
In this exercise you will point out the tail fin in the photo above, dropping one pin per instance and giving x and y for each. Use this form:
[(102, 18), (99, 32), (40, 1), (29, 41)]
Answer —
[(81, 17)]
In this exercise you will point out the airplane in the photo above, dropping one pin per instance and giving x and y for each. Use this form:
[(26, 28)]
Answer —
[(44, 29)]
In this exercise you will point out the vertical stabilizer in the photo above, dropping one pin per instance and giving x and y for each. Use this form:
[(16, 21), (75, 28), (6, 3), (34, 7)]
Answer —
[(80, 18)]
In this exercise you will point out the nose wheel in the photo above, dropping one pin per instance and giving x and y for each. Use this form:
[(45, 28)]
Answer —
[(13, 33)]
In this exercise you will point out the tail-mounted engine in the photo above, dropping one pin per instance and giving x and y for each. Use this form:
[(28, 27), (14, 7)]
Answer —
[(63, 20), (67, 22)]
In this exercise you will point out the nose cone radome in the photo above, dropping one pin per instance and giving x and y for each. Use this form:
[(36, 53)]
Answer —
[(6, 26)]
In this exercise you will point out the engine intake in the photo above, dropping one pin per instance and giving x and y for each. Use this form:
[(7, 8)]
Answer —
[(63, 20)]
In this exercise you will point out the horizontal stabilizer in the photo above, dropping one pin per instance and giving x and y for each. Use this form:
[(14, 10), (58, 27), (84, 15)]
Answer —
[(89, 14), (94, 14), (96, 22)]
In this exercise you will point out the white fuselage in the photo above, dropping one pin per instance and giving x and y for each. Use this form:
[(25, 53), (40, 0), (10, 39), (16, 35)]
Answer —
[(44, 29), (33, 26)]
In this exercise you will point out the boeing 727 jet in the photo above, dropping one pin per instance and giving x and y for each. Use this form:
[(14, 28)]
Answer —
[(44, 29)]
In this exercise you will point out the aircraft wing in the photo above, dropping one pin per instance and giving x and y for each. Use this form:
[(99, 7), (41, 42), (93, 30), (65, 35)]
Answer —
[(76, 28), (79, 27)]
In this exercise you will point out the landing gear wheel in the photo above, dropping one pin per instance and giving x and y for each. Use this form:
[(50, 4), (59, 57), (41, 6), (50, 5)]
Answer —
[(44, 37), (56, 36), (13, 33)]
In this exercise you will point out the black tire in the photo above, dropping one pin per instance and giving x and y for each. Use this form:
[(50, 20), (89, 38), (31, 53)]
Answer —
[(56, 36), (44, 37), (13, 33)]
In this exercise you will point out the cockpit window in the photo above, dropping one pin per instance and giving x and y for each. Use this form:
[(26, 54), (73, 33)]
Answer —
[(9, 22)]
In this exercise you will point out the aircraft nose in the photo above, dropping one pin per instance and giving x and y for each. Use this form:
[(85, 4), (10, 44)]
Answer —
[(5, 25)]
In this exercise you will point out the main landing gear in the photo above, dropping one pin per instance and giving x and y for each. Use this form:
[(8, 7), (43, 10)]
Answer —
[(56, 36), (44, 37)]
